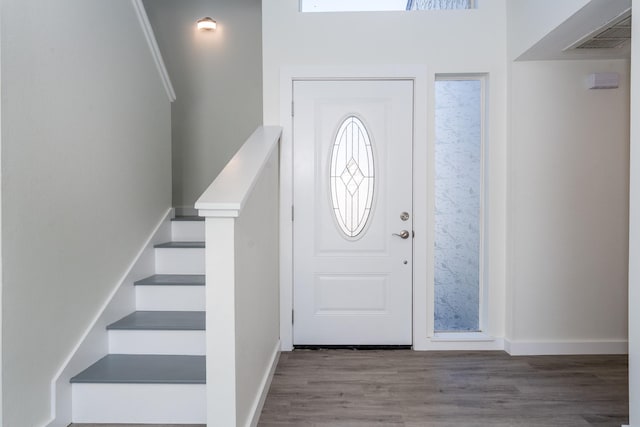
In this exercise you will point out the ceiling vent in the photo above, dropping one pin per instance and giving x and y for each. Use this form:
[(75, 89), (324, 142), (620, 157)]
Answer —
[(614, 34)]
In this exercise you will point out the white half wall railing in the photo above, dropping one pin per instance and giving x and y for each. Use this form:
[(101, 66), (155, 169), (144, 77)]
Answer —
[(241, 210)]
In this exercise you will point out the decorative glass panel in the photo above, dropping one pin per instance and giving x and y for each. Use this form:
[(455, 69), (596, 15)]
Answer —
[(439, 4), (352, 177), (457, 204), (382, 5)]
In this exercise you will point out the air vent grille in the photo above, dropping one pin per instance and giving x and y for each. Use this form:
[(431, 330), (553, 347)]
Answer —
[(614, 34)]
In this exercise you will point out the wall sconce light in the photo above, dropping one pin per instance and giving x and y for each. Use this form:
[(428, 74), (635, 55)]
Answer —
[(206, 24)]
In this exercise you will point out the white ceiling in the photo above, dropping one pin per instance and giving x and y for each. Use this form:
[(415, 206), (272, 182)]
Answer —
[(590, 18)]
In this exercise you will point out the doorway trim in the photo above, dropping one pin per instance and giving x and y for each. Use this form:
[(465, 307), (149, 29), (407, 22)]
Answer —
[(420, 77)]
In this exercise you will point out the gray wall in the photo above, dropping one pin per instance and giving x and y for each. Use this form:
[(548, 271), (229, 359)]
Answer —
[(218, 81), (85, 178)]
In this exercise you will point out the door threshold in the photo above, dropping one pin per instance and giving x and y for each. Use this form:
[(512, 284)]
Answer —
[(351, 347)]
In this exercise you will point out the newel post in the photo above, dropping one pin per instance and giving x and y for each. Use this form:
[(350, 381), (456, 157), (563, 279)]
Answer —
[(221, 320)]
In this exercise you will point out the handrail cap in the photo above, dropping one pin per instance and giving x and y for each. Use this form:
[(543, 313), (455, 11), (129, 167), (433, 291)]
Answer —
[(228, 193)]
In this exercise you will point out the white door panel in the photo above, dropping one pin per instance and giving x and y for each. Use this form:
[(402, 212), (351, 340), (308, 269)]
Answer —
[(352, 276)]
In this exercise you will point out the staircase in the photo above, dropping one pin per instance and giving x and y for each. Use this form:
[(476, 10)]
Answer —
[(155, 370)]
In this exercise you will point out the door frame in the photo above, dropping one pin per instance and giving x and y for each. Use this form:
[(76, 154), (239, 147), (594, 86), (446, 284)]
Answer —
[(421, 271)]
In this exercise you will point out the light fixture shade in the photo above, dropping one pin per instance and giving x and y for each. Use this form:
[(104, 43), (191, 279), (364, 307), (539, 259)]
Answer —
[(206, 24)]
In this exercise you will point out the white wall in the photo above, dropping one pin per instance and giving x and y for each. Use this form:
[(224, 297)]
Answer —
[(218, 82), (85, 178), (445, 41), (257, 291), (634, 232), (293, 38), (529, 21), (568, 159)]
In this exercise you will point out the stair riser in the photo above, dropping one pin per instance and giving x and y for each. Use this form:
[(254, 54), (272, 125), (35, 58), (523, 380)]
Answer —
[(170, 298), (139, 403), (179, 261), (190, 343), (187, 231)]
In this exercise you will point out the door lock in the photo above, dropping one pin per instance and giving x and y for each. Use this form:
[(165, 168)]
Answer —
[(404, 216)]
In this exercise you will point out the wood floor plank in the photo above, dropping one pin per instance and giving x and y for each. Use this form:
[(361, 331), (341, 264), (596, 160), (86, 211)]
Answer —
[(442, 389)]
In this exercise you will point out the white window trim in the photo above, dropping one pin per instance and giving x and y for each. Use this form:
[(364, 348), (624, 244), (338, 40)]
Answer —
[(456, 340), (462, 337), (424, 148), (399, 7), (419, 75)]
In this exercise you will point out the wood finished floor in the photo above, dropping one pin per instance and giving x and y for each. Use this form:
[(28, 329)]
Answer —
[(445, 389)]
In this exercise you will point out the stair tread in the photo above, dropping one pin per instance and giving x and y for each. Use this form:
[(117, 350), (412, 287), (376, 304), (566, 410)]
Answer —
[(180, 245), (173, 280), (145, 369), (188, 218), (161, 321)]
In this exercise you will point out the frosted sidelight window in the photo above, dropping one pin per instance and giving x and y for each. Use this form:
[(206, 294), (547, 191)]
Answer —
[(458, 171), (352, 177)]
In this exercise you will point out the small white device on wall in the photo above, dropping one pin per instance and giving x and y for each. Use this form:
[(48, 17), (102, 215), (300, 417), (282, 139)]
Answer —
[(603, 81)]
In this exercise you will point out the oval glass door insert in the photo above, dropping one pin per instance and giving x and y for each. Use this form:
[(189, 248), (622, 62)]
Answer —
[(352, 177)]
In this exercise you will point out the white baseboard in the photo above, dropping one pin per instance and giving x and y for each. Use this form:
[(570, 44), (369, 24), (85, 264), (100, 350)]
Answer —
[(258, 404), (93, 343), (149, 35), (520, 348), (541, 348)]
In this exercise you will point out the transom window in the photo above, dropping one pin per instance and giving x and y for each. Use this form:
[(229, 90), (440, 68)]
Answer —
[(382, 5)]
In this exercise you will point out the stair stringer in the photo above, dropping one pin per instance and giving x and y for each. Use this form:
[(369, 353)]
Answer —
[(94, 344)]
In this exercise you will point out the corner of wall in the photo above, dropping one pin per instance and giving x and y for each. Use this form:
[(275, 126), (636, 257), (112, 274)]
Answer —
[(634, 230), (1, 257), (529, 22)]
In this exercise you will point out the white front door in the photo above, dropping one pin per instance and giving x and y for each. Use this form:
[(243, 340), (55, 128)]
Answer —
[(352, 230)]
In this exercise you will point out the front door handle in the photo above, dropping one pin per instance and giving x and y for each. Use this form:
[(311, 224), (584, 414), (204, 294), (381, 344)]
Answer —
[(404, 234)]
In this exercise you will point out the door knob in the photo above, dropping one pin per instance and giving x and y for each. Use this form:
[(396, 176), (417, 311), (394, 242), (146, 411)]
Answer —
[(404, 234)]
